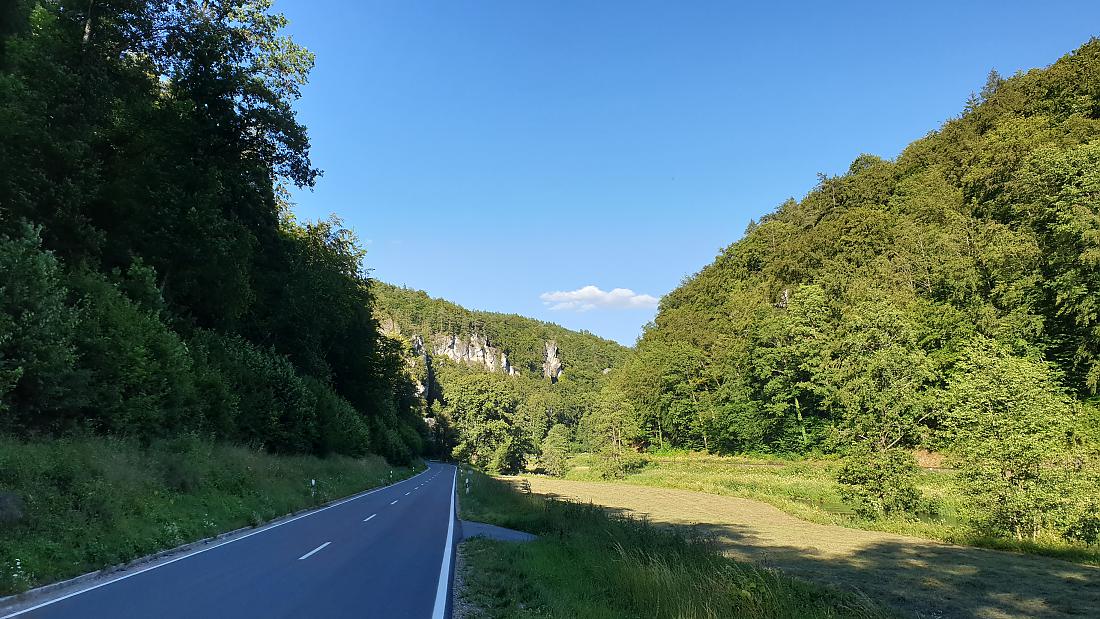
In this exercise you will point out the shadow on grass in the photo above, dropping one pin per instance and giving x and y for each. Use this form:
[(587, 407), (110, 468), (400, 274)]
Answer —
[(929, 579)]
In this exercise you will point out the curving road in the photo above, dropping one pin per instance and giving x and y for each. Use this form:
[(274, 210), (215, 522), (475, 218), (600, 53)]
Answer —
[(383, 553)]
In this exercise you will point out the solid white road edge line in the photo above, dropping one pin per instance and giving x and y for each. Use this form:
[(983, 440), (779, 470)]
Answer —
[(443, 588), (369, 517), (310, 553), (218, 545)]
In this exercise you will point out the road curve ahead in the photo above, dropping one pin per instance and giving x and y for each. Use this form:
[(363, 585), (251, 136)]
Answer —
[(386, 553)]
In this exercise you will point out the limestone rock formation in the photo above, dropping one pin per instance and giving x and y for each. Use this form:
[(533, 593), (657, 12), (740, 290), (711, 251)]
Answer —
[(552, 365), (472, 350)]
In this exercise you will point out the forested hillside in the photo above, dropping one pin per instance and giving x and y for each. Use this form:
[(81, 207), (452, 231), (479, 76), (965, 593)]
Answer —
[(582, 356), (496, 385), (154, 281), (948, 299)]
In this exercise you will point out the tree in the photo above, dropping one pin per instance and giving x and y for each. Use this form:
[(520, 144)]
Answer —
[(787, 362), (148, 143), (880, 376), (613, 428), (483, 408), (554, 453), (1057, 193), (140, 380), (1011, 424)]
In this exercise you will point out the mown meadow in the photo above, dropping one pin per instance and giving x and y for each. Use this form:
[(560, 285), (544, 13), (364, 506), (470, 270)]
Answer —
[(591, 563), (807, 488)]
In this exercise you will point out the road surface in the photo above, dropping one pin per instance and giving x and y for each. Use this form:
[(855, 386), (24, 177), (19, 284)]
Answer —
[(386, 553)]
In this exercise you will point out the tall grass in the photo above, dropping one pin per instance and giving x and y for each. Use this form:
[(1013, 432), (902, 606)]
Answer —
[(80, 504), (590, 563)]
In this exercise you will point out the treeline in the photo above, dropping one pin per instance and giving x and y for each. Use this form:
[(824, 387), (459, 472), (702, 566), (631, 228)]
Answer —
[(499, 422), (153, 281), (947, 299)]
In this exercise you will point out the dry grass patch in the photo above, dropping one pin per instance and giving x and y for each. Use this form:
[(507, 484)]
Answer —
[(924, 577)]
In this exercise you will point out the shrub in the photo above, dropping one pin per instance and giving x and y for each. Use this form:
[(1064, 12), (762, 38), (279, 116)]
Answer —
[(341, 429), (37, 356), (878, 483), (275, 407), (1085, 527), (388, 442), (507, 456), (140, 379)]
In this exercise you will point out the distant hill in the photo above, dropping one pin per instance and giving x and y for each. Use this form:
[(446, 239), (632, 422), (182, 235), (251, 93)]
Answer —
[(494, 385), (493, 342)]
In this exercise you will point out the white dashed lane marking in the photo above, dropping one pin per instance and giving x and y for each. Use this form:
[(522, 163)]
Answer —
[(310, 553)]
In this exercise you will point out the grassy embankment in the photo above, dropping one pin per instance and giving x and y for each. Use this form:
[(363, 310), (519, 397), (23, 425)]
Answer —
[(807, 489), (589, 563), (71, 506)]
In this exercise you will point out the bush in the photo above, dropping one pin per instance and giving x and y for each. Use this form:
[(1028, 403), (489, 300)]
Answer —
[(1085, 527), (340, 427), (612, 464), (37, 356), (877, 483), (507, 457), (140, 379), (275, 407), (388, 442)]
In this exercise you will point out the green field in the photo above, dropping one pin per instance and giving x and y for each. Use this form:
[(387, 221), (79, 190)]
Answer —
[(74, 505), (589, 563), (807, 489)]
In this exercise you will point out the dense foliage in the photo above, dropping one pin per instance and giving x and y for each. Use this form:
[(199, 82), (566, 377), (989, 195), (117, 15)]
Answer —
[(946, 299), (153, 282), (495, 420)]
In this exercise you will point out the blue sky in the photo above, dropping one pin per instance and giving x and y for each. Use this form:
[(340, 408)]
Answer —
[(497, 153)]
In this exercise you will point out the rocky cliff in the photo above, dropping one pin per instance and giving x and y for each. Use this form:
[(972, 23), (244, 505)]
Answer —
[(472, 350), (508, 344), (475, 350)]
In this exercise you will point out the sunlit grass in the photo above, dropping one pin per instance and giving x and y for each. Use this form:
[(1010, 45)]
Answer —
[(89, 503), (807, 489), (591, 564)]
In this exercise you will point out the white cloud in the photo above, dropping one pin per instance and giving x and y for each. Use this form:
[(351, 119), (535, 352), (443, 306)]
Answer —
[(591, 297)]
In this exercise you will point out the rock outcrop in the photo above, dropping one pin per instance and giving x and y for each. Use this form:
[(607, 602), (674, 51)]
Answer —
[(472, 350), (551, 365)]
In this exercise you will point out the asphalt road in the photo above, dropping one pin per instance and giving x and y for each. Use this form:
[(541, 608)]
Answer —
[(387, 553)]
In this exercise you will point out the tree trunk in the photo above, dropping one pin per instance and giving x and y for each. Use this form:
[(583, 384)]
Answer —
[(87, 26), (801, 424)]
